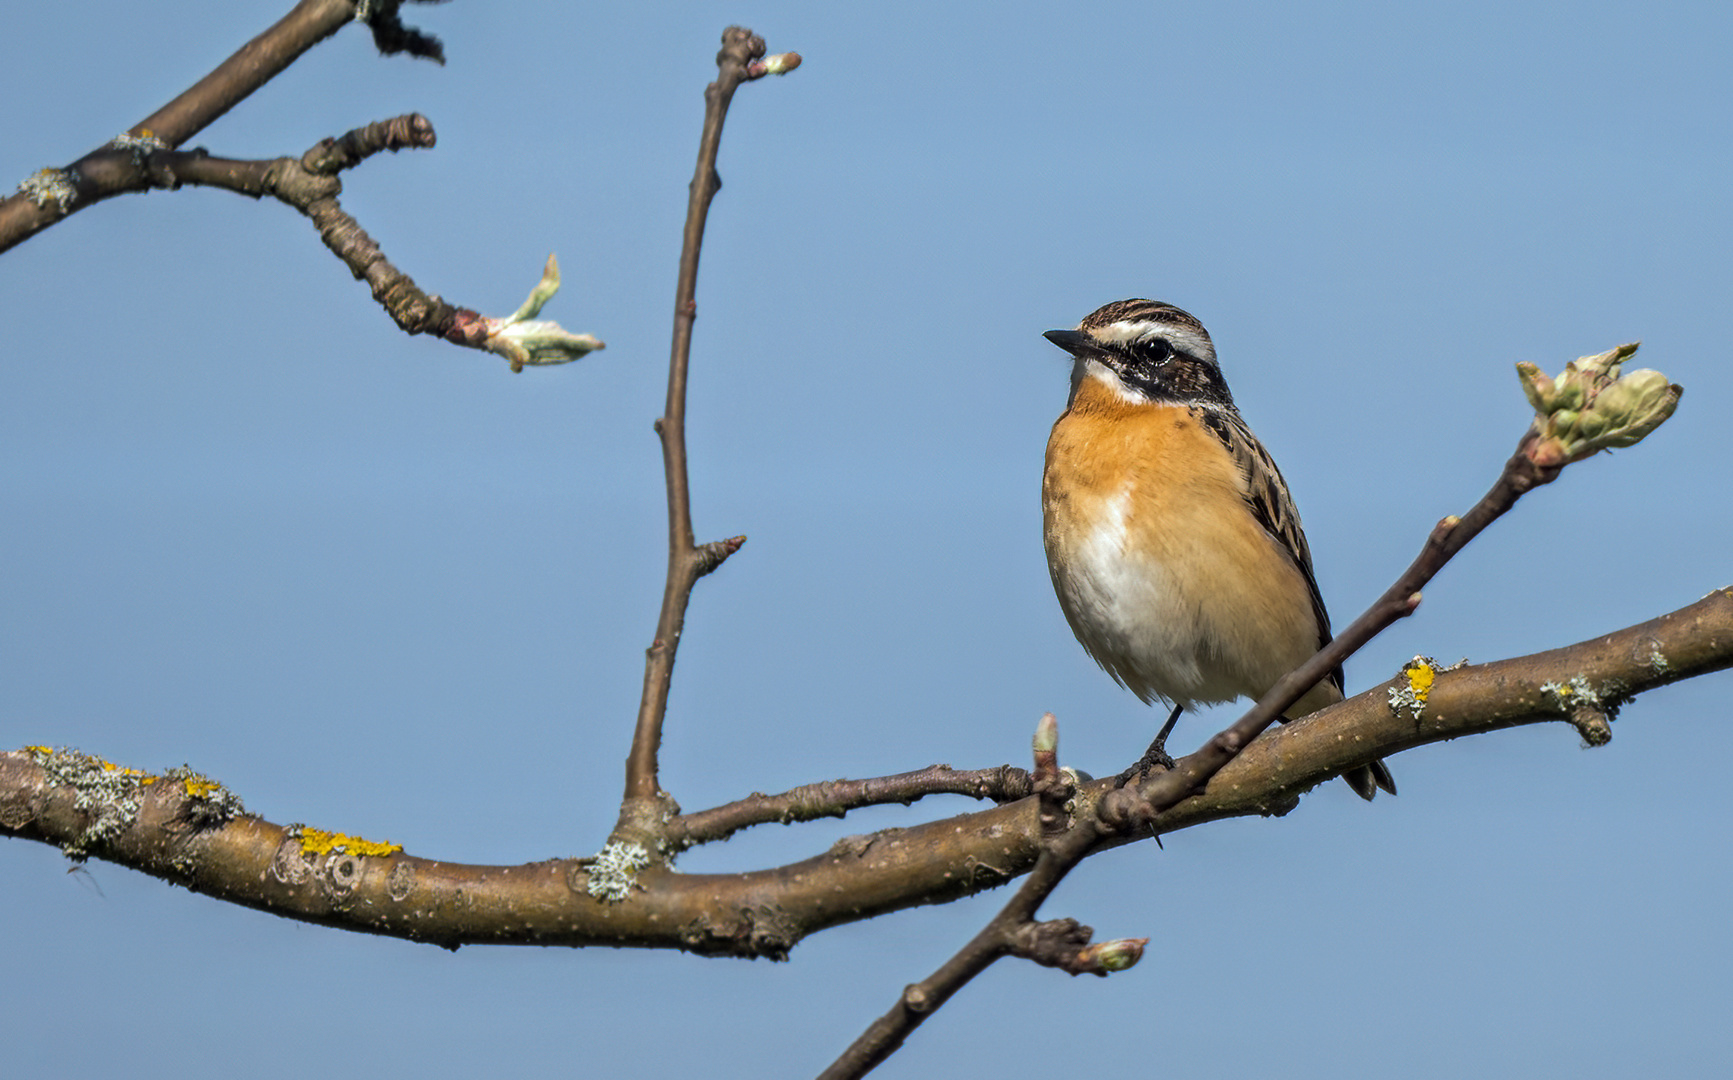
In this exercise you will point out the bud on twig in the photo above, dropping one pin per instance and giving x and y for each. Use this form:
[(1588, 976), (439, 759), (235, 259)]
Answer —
[(1591, 407), (774, 64), (1046, 734), (1116, 955), (523, 339)]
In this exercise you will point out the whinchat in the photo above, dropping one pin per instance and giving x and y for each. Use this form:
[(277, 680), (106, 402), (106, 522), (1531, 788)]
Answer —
[(1174, 545)]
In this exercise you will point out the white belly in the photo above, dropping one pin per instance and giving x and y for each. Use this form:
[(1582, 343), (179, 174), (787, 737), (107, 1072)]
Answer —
[(1176, 616), (1147, 627)]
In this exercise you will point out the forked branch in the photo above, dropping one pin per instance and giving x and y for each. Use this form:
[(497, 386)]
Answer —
[(112, 169), (148, 157)]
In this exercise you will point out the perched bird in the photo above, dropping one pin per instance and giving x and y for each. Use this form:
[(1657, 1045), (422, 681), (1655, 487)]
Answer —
[(1175, 548)]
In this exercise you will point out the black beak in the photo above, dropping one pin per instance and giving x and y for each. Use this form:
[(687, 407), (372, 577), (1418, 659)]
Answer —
[(1072, 342)]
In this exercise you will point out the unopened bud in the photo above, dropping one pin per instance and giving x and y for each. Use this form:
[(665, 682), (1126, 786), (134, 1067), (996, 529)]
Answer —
[(1636, 405), (1591, 407), (1047, 734), (1537, 385), (1117, 955), (780, 63)]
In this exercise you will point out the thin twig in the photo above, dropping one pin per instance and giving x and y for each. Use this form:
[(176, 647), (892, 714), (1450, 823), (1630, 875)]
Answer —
[(686, 561), (310, 184), (1135, 808), (835, 798)]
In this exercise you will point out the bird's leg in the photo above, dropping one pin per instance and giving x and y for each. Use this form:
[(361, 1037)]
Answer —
[(1156, 754)]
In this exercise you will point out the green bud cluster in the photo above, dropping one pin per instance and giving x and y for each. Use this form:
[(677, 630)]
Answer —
[(1591, 406)]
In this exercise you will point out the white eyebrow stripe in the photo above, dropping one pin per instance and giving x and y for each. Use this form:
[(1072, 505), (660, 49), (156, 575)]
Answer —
[(1183, 338)]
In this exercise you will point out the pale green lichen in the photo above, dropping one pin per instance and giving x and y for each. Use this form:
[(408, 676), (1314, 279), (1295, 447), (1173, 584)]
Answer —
[(51, 185), (613, 872), (109, 792), (1589, 710), (1572, 694), (145, 142), (209, 803), (112, 794)]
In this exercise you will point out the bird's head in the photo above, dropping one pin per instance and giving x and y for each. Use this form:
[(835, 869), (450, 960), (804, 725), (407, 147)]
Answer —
[(1147, 351)]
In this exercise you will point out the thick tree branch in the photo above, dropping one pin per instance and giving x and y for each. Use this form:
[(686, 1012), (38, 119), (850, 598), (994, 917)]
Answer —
[(765, 913)]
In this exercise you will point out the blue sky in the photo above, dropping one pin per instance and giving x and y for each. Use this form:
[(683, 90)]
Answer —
[(383, 586)]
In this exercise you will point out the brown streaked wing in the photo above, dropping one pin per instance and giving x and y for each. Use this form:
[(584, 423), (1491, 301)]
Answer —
[(1268, 498)]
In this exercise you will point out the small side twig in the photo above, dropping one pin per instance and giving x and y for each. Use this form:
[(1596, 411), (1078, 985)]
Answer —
[(835, 798), (1053, 790), (310, 184), (1013, 931)]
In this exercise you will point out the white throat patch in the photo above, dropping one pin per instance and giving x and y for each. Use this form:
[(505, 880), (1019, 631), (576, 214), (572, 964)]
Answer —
[(1087, 368)]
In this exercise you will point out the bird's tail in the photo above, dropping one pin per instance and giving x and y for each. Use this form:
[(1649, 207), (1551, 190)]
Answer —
[(1368, 778)]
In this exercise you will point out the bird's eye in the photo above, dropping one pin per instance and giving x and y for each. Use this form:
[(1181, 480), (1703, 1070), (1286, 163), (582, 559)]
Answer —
[(1154, 350)]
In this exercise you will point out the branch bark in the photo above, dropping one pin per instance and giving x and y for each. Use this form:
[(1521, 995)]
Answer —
[(257, 864), (311, 186), (146, 158)]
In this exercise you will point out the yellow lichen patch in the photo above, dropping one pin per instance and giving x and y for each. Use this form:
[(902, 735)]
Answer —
[(199, 787), (1421, 675), (109, 766), (1413, 685), (319, 842)]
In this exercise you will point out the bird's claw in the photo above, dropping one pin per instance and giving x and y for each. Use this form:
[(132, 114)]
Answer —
[(1155, 756)]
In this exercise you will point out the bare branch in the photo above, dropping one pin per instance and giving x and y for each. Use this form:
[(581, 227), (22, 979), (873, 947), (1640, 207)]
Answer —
[(106, 172), (310, 185), (835, 798), (1012, 931), (642, 811), (763, 913)]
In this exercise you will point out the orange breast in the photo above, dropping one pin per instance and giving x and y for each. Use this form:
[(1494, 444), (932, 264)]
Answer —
[(1164, 574)]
